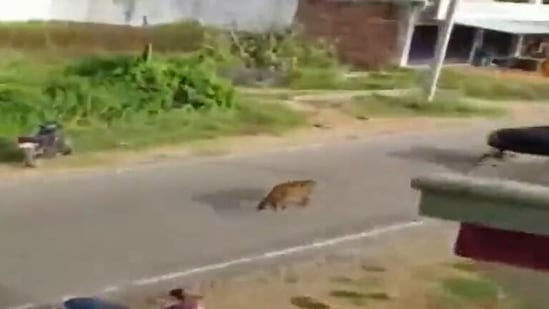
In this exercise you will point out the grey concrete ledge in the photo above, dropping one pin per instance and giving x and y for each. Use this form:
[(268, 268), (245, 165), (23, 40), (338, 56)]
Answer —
[(507, 190), (493, 202)]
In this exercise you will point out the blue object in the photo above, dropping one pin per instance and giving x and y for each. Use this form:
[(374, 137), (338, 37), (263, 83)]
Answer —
[(90, 303)]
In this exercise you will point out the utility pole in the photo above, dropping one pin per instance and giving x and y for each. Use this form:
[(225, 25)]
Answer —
[(443, 39)]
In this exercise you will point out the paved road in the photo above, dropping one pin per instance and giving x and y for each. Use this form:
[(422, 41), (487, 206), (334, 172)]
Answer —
[(76, 234)]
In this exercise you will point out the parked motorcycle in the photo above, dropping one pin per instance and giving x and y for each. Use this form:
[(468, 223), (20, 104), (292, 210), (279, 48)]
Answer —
[(47, 143)]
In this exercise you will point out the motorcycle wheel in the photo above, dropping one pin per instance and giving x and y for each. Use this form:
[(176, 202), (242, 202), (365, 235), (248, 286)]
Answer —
[(66, 149)]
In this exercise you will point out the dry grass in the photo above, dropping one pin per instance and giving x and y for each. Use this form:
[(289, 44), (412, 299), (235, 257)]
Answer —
[(493, 84), (392, 284), (76, 39), (364, 285)]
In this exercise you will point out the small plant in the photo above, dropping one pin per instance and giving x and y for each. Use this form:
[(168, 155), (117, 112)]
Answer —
[(282, 52), (474, 290), (307, 302), (151, 87)]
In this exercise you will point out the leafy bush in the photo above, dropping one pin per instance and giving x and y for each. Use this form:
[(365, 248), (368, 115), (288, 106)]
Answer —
[(106, 89), (281, 50), (282, 53)]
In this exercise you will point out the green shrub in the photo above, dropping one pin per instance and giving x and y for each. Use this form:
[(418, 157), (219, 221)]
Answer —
[(106, 89)]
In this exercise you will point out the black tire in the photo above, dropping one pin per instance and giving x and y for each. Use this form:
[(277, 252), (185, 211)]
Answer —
[(526, 140), (49, 152), (67, 150)]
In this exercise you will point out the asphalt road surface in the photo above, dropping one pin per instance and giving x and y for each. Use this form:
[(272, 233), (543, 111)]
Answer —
[(77, 234)]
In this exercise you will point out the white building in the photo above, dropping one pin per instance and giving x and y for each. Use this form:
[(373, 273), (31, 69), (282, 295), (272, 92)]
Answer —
[(251, 14), (500, 26)]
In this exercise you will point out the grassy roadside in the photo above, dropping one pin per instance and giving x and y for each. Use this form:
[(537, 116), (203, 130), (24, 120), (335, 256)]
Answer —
[(413, 105), (69, 39), (178, 127), (415, 269), (496, 85), (359, 283), (468, 82), (110, 100), (337, 79)]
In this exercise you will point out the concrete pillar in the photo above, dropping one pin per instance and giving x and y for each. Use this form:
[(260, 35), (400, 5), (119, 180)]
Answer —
[(518, 41), (440, 50), (406, 33), (477, 43)]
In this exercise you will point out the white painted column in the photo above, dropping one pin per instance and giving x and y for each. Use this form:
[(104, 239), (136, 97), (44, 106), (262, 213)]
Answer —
[(477, 43), (442, 45), (408, 34), (518, 41), (537, 2)]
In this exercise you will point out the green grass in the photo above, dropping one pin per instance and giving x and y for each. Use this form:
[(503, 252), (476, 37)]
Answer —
[(90, 87), (473, 290), (469, 287), (415, 105), (177, 127), (108, 102), (248, 118), (359, 298), (77, 39), (58, 41), (474, 84), (335, 79), (484, 85), (470, 83), (307, 302)]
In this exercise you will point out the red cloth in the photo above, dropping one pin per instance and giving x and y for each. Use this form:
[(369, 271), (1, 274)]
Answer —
[(509, 247)]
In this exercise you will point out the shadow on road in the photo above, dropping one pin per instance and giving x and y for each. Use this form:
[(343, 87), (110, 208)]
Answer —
[(232, 202), (527, 169), (455, 159), (10, 297)]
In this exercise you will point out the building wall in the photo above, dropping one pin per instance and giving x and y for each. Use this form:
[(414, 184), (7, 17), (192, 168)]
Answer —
[(367, 33), (244, 14), (24, 10)]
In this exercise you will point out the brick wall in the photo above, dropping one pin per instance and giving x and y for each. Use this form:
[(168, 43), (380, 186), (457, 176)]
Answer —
[(366, 32)]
